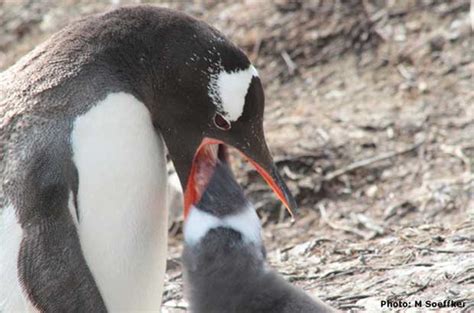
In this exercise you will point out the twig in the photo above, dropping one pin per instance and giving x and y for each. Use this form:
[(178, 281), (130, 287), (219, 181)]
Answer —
[(362, 163), (256, 48), (406, 73), (176, 277), (292, 279), (468, 279), (351, 306), (339, 297), (368, 223), (407, 294), (420, 288), (356, 297), (289, 62), (444, 250), (406, 205), (326, 220), (312, 244), (333, 273), (382, 280), (294, 158), (173, 304)]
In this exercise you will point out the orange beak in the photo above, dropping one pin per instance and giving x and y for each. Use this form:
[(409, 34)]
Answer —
[(203, 166), (276, 187)]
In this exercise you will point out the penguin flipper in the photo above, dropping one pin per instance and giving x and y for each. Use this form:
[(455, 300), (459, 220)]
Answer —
[(51, 267), (54, 273)]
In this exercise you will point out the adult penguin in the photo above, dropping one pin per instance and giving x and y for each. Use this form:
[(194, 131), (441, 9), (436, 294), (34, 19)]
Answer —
[(84, 122)]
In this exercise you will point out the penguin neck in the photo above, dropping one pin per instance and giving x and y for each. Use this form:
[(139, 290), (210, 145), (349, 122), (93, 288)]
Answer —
[(223, 257), (199, 222), (223, 204)]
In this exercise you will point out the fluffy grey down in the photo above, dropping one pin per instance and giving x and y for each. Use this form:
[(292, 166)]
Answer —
[(226, 274)]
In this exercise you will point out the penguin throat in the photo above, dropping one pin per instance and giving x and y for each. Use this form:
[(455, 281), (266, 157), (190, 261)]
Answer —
[(202, 169)]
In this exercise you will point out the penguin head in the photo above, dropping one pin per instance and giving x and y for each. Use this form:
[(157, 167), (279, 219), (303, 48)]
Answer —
[(222, 195), (212, 96)]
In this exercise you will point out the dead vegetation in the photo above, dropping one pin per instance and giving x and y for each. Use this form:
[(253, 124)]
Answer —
[(370, 115)]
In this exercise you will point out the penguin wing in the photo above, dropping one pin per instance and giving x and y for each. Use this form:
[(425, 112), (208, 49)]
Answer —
[(51, 267)]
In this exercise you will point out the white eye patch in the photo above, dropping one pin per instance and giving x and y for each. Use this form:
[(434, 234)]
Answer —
[(228, 91)]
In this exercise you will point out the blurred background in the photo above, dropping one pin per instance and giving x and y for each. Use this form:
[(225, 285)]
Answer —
[(370, 117)]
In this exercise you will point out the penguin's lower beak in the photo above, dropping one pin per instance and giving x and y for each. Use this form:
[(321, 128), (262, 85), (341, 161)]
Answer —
[(204, 162), (274, 180)]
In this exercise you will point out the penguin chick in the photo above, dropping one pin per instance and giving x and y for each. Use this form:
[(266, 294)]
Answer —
[(225, 270)]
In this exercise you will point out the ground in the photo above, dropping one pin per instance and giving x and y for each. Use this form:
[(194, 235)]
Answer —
[(370, 117)]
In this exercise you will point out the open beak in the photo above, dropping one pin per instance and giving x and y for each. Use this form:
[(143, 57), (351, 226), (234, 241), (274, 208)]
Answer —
[(204, 163), (272, 177)]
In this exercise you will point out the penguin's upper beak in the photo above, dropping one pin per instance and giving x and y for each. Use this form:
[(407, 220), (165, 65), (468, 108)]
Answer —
[(204, 162)]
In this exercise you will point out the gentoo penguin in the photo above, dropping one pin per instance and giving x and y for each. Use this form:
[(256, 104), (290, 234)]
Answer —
[(84, 122), (224, 257)]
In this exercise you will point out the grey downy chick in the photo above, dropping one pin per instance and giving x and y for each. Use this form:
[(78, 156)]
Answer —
[(224, 257)]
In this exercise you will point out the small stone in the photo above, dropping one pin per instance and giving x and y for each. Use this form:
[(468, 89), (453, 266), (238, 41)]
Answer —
[(437, 43), (422, 87), (390, 133), (372, 191)]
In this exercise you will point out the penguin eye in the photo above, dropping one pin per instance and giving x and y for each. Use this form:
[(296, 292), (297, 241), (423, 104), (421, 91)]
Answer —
[(221, 122)]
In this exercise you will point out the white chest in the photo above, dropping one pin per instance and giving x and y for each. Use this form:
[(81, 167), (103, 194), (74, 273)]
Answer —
[(122, 206)]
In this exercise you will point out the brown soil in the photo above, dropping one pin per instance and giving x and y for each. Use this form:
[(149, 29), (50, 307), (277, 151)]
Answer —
[(370, 116)]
